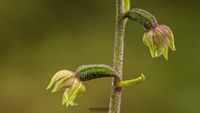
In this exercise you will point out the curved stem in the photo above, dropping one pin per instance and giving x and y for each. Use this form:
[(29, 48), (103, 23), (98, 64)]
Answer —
[(115, 98)]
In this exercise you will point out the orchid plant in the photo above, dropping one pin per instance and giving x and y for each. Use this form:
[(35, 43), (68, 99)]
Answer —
[(157, 37)]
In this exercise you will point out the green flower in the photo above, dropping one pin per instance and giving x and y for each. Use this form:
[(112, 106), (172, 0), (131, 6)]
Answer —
[(159, 38), (66, 80), (72, 82)]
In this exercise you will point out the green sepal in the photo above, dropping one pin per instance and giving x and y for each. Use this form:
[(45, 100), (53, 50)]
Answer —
[(71, 93), (58, 84), (59, 75), (63, 83), (148, 41)]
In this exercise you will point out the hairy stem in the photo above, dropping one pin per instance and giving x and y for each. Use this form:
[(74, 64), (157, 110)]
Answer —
[(115, 98)]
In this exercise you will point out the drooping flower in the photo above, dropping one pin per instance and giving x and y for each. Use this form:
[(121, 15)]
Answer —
[(66, 80), (159, 38), (72, 82)]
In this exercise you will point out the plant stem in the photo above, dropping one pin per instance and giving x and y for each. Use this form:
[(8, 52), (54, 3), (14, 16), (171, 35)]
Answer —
[(115, 98)]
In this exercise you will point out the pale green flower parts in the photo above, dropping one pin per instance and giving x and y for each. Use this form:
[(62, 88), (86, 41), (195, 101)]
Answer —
[(66, 80), (72, 82), (60, 76), (71, 93), (159, 38)]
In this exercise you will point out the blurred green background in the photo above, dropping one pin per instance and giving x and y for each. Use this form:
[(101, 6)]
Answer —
[(40, 37)]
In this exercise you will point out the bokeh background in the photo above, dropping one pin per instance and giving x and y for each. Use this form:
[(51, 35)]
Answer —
[(40, 37)]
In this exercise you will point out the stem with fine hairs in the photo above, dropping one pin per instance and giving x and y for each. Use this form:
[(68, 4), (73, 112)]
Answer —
[(115, 98)]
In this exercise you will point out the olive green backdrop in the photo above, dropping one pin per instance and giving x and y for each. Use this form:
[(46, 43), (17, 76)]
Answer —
[(40, 37)]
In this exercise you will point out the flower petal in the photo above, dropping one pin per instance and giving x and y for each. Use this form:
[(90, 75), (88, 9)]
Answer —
[(63, 83), (59, 75), (71, 93), (148, 41), (165, 52), (172, 44)]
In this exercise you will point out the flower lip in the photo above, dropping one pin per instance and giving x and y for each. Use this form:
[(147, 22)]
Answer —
[(71, 93)]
